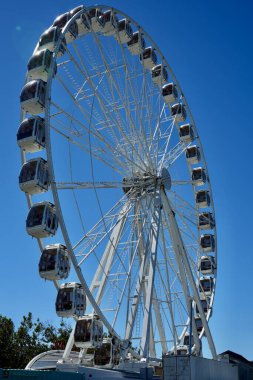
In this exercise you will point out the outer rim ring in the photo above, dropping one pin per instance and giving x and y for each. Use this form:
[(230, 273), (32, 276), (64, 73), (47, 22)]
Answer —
[(50, 159)]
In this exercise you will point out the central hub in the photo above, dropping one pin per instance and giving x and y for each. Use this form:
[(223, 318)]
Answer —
[(146, 183)]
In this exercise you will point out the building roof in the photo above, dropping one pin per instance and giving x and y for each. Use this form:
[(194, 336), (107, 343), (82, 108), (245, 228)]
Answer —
[(236, 358)]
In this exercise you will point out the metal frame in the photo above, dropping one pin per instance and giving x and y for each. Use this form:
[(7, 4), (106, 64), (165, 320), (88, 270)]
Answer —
[(150, 237)]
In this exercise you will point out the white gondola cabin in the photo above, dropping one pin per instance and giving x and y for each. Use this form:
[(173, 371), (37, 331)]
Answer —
[(159, 75), (72, 31), (41, 220), (206, 285), (137, 43), (178, 112), (169, 93), (33, 177), (186, 340), (205, 306), (207, 265), (192, 155), (33, 97), (54, 262), (77, 9), (148, 58), (71, 300), (187, 343), (48, 40), (199, 324), (198, 176), (124, 31), (107, 355), (82, 22), (110, 23), (31, 134), (182, 350), (88, 356), (88, 331), (207, 243), (202, 199), (39, 65), (186, 133), (96, 19), (206, 221)]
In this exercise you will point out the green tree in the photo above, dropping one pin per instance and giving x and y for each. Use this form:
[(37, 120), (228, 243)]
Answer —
[(7, 332), (18, 347), (28, 341)]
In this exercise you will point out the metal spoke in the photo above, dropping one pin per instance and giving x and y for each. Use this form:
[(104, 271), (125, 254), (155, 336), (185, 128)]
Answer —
[(88, 185), (94, 130), (167, 289), (119, 93), (181, 182), (84, 72), (142, 137)]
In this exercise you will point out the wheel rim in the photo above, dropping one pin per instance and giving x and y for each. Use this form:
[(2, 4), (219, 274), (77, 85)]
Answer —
[(111, 101)]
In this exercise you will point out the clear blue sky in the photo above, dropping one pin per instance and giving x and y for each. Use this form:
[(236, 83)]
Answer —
[(209, 47)]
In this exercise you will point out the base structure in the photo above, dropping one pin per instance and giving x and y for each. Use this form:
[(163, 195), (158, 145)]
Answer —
[(49, 366), (198, 368)]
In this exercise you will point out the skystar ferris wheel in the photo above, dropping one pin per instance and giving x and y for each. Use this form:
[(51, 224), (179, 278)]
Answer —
[(111, 154)]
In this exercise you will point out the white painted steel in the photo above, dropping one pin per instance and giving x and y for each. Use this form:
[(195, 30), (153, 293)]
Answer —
[(184, 257), (103, 113)]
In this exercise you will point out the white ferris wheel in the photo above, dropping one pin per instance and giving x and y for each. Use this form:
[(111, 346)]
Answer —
[(112, 156)]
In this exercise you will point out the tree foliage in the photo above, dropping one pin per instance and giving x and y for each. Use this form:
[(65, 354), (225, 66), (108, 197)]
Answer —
[(19, 346)]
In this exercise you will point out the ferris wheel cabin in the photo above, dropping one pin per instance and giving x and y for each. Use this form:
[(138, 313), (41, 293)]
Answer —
[(82, 22), (54, 262), (202, 199), (182, 350), (77, 9), (159, 75), (48, 40), (107, 354), (39, 65), (33, 177), (199, 324), (148, 58), (192, 155), (207, 265), (96, 19), (169, 93), (61, 21), (187, 343), (207, 242), (178, 112), (124, 31), (71, 300), (31, 134), (88, 331), (110, 23), (33, 97), (41, 220), (186, 133), (205, 306), (198, 176), (206, 285), (206, 221), (186, 340), (137, 44)]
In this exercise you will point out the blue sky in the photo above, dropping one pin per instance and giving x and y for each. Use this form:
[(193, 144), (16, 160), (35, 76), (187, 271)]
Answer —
[(209, 47)]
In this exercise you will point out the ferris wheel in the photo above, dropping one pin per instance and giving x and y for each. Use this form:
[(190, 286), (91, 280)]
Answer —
[(118, 189)]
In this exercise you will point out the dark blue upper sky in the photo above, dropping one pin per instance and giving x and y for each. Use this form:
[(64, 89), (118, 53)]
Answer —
[(209, 47)]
